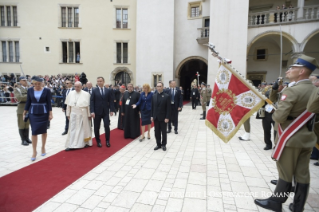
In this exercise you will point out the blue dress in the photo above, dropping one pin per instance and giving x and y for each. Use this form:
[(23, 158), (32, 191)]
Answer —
[(39, 105), (145, 104)]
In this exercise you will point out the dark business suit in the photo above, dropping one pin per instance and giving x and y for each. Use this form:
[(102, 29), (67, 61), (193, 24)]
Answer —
[(194, 95), (176, 102), (87, 90), (101, 105), (65, 93), (38, 110), (161, 110)]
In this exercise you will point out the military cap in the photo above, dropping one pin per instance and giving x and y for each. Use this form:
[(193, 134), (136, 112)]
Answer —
[(203, 84), (22, 78), (264, 83), (306, 61)]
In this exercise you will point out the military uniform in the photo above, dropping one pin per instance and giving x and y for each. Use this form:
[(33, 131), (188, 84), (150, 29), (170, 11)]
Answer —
[(313, 107), (295, 157), (204, 98), (21, 95)]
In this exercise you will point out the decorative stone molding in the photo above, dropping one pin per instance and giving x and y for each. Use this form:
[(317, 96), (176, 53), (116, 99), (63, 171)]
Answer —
[(118, 70), (295, 46), (179, 67)]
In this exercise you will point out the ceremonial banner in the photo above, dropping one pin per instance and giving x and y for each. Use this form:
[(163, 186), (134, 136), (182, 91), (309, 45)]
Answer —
[(232, 102)]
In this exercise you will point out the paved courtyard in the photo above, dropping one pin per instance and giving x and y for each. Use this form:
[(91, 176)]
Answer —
[(198, 172)]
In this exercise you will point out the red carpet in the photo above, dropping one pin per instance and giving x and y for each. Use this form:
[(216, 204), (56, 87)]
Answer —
[(29, 187)]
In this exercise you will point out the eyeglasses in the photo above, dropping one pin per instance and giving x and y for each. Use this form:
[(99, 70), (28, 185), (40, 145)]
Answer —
[(67, 83)]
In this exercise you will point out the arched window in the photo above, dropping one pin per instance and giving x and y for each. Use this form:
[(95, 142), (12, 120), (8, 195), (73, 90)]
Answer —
[(123, 78)]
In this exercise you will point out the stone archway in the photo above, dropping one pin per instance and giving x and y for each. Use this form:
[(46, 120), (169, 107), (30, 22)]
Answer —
[(178, 69), (305, 41), (295, 45), (186, 72), (118, 70)]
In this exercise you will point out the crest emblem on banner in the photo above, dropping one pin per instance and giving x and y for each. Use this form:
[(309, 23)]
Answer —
[(232, 102)]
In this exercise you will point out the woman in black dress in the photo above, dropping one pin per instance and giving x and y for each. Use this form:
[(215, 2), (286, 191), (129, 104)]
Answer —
[(145, 103), (39, 108)]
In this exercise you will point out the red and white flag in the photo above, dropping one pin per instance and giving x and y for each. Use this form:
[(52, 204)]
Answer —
[(233, 101)]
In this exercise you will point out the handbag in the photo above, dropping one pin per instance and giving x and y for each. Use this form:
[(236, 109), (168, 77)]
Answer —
[(26, 117), (260, 113)]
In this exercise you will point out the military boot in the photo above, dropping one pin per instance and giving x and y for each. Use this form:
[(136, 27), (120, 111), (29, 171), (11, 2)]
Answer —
[(279, 196), (204, 116), (23, 141), (26, 136), (300, 198)]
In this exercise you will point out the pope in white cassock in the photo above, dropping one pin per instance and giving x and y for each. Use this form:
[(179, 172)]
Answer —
[(78, 112)]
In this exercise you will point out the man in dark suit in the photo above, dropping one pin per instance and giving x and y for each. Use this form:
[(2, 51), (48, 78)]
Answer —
[(194, 96), (102, 104), (65, 94), (160, 114), (176, 100), (89, 88)]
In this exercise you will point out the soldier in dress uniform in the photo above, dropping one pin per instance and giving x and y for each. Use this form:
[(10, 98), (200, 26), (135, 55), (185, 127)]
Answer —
[(203, 99), (295, 156), (194, 96), (21, 95)]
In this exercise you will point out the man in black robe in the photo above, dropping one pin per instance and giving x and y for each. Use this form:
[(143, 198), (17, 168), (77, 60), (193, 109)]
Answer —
[(120, 124), (131, 116)]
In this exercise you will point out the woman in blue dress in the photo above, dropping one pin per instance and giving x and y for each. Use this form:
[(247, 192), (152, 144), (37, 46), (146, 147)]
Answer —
[(39, 108), (145, 104)]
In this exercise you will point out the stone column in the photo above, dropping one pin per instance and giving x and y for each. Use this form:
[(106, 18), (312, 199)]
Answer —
[(301, 4)]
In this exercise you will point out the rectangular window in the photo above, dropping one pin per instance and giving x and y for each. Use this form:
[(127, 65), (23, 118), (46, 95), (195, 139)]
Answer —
[(63, 16), (156, 78), (121, 18), (121, 52), (15, 16), (76, 17), (71, 55), (69, 51), (261, 54), (125, 18), (17, 51), (194, 11), (10, 51), (8, 16), (4, 51), (3, 21), (118, 52), (118, 18), (70, 16), (125, 52)]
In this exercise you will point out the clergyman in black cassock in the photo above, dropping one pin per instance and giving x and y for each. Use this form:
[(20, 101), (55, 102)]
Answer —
[(160, 114), (131, 116), (120, 123)]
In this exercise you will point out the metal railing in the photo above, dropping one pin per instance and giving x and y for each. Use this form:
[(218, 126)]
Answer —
[(203, 32)]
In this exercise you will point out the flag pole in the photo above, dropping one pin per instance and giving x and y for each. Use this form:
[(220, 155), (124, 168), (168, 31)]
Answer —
[(280, 51)]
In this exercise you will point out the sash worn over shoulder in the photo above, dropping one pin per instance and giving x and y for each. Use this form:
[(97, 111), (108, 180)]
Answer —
[(285, 135)]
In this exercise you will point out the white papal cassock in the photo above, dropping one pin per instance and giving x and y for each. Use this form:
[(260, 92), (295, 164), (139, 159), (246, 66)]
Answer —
[(78, 109)]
